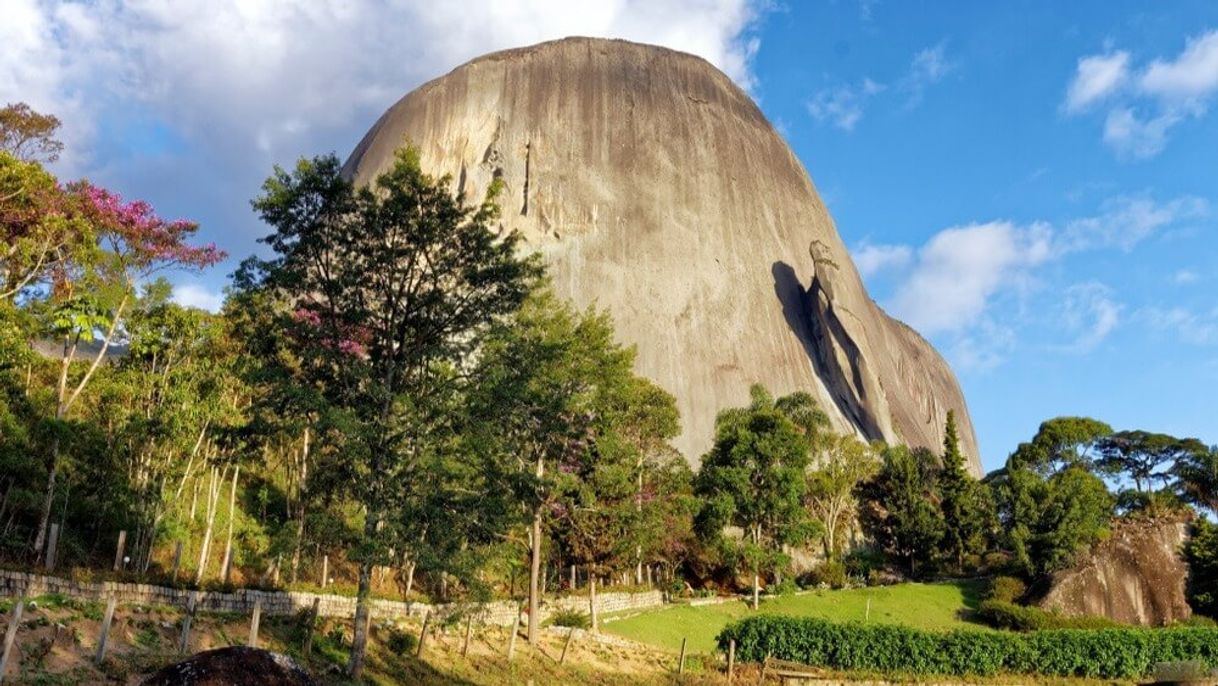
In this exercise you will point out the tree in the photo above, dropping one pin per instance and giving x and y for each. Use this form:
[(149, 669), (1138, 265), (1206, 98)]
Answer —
[(962, 499), (88, 296), (1201, 551), (841, 464), (753, 478), (1146, 458), (28, 135), (1060, 443), (564, 425), (900, 512), (1196, 476), (391, 287)]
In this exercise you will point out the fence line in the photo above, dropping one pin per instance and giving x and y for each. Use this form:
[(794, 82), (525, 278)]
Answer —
[(281, 603)]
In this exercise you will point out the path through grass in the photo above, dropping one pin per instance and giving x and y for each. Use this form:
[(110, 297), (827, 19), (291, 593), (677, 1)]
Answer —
[(925, 606)]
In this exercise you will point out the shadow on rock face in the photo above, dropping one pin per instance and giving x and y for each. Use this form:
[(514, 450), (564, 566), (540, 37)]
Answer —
[(233, 666)]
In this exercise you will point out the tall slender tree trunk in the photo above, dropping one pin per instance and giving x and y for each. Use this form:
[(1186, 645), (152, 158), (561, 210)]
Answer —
[(213, 496), (359, 637), (535, 566), (232, 515), (300, 498), (592, 609)]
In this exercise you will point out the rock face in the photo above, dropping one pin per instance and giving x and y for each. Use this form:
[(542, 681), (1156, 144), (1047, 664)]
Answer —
[(1136, 576), (235, 666), (656, 189)]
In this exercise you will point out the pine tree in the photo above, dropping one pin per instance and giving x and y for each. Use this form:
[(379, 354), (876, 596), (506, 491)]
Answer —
[(961, 499)]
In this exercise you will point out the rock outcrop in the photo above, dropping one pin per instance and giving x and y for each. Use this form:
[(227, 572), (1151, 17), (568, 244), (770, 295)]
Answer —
[(230, 667), (656, 189), (1136, 576)]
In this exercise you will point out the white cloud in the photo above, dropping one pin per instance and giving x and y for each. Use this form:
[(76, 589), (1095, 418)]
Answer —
[(1185, 276), (1089, 310), (1184, 324), (928, 67), (1193, 74), (1146, 104), (1125, 221), (951, 284), (246, 84), (195, 295), (960, 268), (872, 259), (843, 105), (1096, 77)]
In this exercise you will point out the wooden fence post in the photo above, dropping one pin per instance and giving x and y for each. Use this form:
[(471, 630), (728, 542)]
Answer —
[(52, 544), (325, 570), (469, 625), (253, 642), (105, 629), (308, 641), (118, 552), (191, 605), (681, 660), (423, 634), (515, 629), (177, 560), (567, 644), (10, 636), (731, 659)]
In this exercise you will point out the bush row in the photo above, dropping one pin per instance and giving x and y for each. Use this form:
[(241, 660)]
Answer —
[(1006, 615), (1116, 653)]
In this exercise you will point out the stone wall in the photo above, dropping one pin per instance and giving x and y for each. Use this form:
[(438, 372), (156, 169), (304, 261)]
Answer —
[(289, 602)]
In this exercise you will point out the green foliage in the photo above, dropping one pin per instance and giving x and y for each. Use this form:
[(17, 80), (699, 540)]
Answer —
[(1197, 478), (1006, 589), (1047, 521), (570, 617), (965, 503), (1059, 443), (901, 513), (841, 464), (753, 478), (1116, 653), (1202, 555), (401, 642), (1004, 614), (1144, 457), (832, 574)]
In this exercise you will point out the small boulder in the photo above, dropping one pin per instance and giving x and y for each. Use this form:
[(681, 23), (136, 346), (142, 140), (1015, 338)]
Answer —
[(233, 666)]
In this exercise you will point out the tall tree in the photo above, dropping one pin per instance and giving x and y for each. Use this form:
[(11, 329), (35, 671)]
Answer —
[(753, 478), (841, 463), (962, 499), (392, 285), (1145, 458), (1060, 443), (1196, 476), (88, 297), (29, 135), (562, 421), (900, 512)]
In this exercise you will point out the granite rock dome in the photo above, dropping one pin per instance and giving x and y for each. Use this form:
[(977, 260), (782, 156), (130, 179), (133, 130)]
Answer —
[(656, 189)]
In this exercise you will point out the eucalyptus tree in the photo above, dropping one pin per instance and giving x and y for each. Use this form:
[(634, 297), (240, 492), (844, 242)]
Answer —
[(389, 287), (753, 478)]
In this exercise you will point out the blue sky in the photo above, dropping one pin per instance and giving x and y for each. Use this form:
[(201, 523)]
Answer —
[(1033, 185)]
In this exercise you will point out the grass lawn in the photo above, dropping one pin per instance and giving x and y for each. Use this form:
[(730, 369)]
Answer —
[(925, 606)]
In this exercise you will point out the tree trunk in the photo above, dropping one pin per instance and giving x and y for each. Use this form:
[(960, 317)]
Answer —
[(232, 514), (300, 498), (534, 579), (48, 498), (592, 611), (535, 565), (213, 495), (359, 639)]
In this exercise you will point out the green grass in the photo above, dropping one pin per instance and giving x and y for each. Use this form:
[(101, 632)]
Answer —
[(924, 606)]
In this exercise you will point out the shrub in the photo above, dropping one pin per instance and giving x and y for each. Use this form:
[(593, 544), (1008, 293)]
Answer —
[(401, 642), (831, 574), (786, 587), (1006, 589), (1113, 653), (1002, 614), (570, 618)]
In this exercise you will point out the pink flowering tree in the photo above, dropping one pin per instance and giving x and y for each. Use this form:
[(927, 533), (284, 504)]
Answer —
[(87, 296)]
